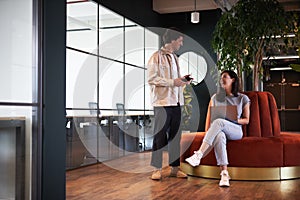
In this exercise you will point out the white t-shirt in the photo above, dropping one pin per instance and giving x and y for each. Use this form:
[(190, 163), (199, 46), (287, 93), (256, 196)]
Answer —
[(175, 75)]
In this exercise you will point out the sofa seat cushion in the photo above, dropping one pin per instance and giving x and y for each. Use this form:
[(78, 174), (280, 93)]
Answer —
[(247, 152), (291, 148), (255, 152)]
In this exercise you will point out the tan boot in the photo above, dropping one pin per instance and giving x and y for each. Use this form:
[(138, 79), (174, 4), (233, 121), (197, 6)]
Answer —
[(156, 175), (176, 172)]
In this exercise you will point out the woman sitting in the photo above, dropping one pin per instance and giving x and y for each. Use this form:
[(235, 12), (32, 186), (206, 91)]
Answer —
[(222, 129)]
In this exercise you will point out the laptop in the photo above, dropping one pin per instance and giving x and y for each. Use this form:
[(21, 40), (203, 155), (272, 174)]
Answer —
[(228, 112)]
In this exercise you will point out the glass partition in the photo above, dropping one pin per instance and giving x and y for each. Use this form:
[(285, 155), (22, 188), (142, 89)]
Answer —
[(82, 26), (151, 44), (111, 34), (106, 58), (80, 85), (134, 44), (16, 52), (111, 84), (18, 98), (134, 88)]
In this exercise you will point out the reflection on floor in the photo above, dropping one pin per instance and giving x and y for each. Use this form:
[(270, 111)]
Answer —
[(129, 178)]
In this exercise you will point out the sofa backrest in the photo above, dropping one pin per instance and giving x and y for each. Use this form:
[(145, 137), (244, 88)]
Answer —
[(264, 118)]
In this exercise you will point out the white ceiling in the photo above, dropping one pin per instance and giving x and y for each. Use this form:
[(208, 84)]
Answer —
[(174, 6)]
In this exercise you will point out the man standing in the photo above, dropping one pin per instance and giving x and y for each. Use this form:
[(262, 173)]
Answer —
[(166, 96)]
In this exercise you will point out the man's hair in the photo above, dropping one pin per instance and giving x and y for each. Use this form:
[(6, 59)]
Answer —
[(171, 34)]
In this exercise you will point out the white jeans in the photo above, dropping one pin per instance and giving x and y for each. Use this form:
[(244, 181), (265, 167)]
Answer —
[(216, 136)]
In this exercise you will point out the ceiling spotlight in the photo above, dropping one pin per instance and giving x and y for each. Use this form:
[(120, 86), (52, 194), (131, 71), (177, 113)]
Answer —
[(195, 16)]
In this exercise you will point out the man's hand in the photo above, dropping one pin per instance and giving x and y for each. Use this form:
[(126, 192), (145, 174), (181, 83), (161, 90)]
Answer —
[(179, 83)]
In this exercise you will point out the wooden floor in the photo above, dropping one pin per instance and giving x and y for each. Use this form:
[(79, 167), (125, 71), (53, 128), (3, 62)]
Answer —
[(129, 178)]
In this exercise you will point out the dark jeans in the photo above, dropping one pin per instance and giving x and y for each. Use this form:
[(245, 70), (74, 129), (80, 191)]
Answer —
[(166, 132)]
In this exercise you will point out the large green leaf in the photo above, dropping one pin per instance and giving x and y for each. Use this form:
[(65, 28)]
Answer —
[(295, 67)]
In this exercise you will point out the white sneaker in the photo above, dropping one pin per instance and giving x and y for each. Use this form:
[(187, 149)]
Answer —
[(194, 160), (224, 182), (156, 175)]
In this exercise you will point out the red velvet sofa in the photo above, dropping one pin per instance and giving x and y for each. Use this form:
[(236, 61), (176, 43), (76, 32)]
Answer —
[(264, 152)]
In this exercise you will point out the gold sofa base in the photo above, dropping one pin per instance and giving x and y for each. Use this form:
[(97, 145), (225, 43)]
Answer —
[(244, 173)]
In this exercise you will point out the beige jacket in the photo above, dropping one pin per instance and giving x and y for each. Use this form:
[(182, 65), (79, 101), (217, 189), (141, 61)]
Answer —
[(161, 81)]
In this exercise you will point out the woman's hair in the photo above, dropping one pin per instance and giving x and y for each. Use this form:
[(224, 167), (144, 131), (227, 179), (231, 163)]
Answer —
[(171, 34), (220, 96)]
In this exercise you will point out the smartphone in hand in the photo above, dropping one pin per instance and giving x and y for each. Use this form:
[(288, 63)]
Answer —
[(187, 78)]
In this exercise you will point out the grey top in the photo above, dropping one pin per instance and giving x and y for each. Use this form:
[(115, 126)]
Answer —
[(240, 101)]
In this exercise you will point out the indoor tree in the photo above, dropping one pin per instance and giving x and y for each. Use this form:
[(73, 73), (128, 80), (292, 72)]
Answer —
[(243, 34)]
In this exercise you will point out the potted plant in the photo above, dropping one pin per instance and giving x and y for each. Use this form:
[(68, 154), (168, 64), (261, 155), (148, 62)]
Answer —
[(243, 34), (187, 108)]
